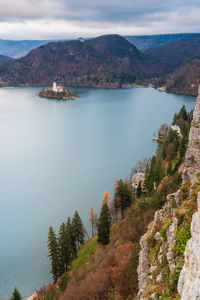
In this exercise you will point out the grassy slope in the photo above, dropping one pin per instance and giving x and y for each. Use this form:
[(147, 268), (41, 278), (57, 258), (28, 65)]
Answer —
[(84, 254)]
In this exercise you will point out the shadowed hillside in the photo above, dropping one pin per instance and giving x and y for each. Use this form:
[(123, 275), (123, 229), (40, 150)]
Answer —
[(106, 61)]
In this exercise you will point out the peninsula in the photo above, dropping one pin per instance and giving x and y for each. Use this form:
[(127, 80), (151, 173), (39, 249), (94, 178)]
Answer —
[(57, 92)]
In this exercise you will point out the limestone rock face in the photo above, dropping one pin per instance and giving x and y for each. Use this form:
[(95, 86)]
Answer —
[(145, 270), (171, 242), (192, 159), (189, 280)]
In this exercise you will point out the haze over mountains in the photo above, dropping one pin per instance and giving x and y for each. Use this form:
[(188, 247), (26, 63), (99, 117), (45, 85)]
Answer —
[(109, 61), (19, 48)]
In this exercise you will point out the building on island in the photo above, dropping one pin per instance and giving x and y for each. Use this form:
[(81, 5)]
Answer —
[(57, 88)]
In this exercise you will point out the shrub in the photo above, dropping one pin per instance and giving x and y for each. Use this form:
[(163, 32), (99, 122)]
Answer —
[(63, 281), (182, 236)]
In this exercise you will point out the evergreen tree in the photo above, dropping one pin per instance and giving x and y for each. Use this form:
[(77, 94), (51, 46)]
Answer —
[(183, 145), (70, 232), (53, 253), (182, 115), (150, 180), (122, 196), (104, 225), (64, 249), (158, 166), (175, 119), (146, 179), (77, 226), (139, 190), (16, 295), (169, 169)]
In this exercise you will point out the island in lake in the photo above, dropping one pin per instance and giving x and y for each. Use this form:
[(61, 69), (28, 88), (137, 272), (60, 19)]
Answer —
[(57, 92)]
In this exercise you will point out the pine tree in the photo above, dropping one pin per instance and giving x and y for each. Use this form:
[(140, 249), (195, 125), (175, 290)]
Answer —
[(139, 190), (104, 225), (183, 145), (150, 187), (77, 226), (182, 113), (169, 169), (53, 254), (64, 249), (70, 231), (16, 295), (123, 196), (146, 179)]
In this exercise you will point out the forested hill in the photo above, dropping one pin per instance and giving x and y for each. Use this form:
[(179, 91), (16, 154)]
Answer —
[(4, 58), (186, 78), (106, 61), (173, 54)]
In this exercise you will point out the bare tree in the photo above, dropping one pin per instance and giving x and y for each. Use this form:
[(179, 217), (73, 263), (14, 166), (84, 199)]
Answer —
[(93, 220)]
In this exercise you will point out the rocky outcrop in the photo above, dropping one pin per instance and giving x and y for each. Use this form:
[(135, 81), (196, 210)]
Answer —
[(145, 270), (192, 159), (189, 280)]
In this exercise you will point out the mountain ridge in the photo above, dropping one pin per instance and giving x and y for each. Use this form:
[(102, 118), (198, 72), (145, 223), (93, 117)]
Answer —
[(106, 61)]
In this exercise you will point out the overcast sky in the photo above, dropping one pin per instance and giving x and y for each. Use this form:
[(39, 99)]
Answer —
[(52, 19)]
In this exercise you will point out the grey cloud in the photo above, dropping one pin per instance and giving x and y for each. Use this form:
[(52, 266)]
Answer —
[(91, 10), (86, 16)]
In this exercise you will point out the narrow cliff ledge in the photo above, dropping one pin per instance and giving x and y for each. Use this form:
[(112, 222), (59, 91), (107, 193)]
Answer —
[(164, 252)]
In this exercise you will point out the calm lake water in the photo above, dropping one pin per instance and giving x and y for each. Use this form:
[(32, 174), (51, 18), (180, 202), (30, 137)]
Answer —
[(59, 156)]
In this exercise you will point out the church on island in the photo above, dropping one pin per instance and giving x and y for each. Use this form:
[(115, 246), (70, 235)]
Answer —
[(57, 92), (57, 88)]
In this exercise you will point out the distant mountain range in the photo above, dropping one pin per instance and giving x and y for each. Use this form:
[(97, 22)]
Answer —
[(18, 49), (109, 61), (3, 58), (144, 42)]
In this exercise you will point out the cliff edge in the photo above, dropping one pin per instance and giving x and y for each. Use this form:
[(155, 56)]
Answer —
[(169, 260)]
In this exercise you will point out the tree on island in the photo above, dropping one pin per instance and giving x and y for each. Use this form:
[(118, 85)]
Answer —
[(16, 295), (53, 254), (104, 225)]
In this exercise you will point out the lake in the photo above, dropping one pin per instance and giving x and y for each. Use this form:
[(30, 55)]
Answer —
[(60, 156)]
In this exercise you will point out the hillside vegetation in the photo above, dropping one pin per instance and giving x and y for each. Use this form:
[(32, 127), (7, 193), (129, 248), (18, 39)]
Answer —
[(110, 271)]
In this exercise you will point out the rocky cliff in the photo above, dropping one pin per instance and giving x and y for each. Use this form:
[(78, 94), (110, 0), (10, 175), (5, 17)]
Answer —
[(189, 280), (169, 246)]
